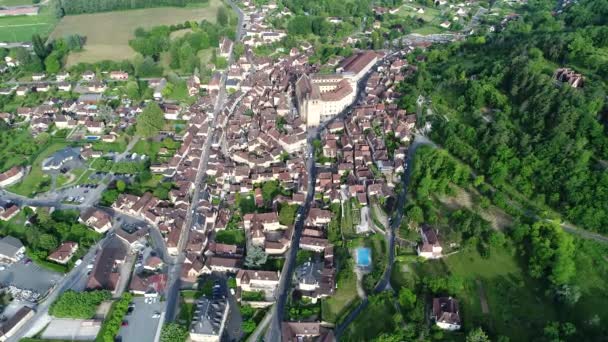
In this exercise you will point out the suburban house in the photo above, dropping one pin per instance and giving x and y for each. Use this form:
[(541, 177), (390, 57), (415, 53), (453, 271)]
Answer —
[(153, 284), (305, 331), (565, 75), (445, 313), (265, 281), (119, 75), (8, 212), (219, 264), (430, 247), (11, 176), (11, 249), (97, 219), (64, 253)]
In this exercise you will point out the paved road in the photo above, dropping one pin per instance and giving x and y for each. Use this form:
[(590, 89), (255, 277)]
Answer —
[(259, 330), (174, 282), (274, 331), (384, 282), (70, 280)]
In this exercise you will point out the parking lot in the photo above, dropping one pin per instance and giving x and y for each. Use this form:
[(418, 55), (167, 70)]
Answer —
[(142, 322), (77, 193), (27, 276)]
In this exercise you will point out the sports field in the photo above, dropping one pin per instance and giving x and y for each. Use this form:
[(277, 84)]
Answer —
[(15, 2), (21, 28), (108, 34)]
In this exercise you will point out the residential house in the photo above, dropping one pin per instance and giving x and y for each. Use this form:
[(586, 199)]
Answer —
[(64, 252), (446, 313)]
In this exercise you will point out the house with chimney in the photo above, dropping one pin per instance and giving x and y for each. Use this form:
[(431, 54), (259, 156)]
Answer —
[(64, 252), (430, 246), (446, 313)]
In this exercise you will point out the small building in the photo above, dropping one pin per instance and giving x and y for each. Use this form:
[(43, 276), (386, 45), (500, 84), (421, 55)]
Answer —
[(88, 75), (430, 247), (446, 314), (97, 219), (11, 249), (305, 331), (8, 212), (566, 75), (210, 320), (13, 324), (119, 76), (64, 253), (11, 176), (264, 281)]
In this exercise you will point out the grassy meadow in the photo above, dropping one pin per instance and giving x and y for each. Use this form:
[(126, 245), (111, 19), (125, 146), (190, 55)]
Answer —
[(108, 34)]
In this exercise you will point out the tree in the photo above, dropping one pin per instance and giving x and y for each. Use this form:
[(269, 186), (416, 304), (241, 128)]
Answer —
[(52, 64), (256, 256), (222, 16), (269, 190), (416, 214), (173, 332), (407, 299), (150, 121), (120, 186), (477, 335), (47, 242), (287, 214), (40, 48)]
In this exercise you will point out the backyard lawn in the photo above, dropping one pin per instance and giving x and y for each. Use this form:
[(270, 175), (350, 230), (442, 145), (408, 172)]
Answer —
[(375, 319), (108, 34), (333, 307), (36, 181)]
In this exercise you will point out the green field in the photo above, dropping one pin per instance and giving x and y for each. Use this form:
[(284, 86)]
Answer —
[(375, 319), (332, 308), (517, 306), (15, 2), (108, 34), (21, 28), (37, 181)]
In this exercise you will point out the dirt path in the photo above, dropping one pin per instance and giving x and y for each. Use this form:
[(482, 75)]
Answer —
[(482, 297)]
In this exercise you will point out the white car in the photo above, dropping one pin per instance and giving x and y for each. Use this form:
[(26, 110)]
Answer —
[(156, 314)]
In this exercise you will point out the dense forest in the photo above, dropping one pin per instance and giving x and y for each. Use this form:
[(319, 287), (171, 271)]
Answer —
[(69, 7), (499, 108)]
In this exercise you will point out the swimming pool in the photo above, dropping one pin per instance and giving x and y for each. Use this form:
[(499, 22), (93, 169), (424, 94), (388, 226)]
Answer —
[(363, 256)]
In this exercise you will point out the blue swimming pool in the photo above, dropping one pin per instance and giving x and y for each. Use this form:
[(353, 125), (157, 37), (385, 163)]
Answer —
[(363, 256), (92, 137)]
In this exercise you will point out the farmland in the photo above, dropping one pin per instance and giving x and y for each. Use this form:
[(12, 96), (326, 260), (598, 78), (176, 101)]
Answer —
[(108, 34), (21, 28)]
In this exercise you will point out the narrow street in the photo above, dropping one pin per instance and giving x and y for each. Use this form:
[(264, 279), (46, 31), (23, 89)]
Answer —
[(175, 267), (384, 282)]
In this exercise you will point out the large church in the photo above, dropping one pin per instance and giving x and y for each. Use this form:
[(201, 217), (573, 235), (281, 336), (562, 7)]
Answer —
[(321, 97)]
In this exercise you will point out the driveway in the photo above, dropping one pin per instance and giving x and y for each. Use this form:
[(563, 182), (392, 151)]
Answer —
[(141, 325)]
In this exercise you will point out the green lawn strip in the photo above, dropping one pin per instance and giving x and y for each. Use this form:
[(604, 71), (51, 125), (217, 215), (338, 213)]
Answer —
[(36, 181), (111, 324), (231, 237), (374, 320), (591, 261), (333, 307)]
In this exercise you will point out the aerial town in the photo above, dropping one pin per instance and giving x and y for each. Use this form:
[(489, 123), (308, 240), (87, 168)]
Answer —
[(294, 171)]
